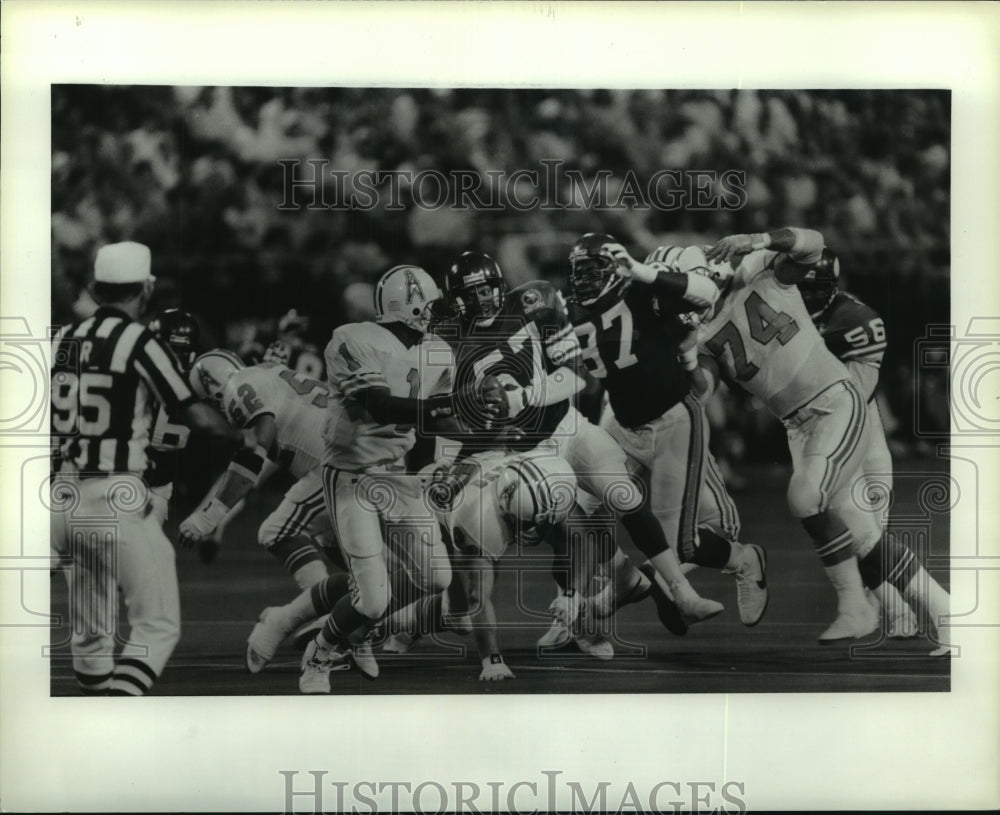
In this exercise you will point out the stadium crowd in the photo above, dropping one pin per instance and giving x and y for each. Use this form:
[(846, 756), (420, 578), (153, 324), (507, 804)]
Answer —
[(194, 173)]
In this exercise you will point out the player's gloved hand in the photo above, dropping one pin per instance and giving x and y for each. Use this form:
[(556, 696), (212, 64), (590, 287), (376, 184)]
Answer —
[(495, 669), (278, 351), (628, 266), (734, 246), (201, 523)]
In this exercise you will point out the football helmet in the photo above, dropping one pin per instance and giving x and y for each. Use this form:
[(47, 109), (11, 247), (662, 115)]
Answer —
[(536, 491), (179, 331), (593, 272), (474, 287), (403, 295), (821, 283), (210, 373)]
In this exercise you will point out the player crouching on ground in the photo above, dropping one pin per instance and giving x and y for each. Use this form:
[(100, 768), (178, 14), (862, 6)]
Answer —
[(505, 498)]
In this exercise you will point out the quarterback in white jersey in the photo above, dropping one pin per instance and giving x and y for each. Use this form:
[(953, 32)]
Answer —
[(282, 415), (760, 336), (385, 378)]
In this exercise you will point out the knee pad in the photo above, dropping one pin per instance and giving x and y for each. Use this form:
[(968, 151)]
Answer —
[(371, 591), (804, 499)]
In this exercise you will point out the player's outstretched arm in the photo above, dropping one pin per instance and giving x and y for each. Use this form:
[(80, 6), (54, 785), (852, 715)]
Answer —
[(385, 408), (802, 245), (244, 471)]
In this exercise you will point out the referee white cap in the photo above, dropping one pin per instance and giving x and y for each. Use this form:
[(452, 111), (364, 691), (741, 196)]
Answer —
[(126, 262)]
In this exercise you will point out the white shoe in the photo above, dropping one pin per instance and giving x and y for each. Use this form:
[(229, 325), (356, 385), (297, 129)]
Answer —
[(901, 625), (751, 585), (693, 607), (495, 670), (399, 643), (364, 659), (564, 610), (851, 623), (557, 635), (264, 640), (596, 646), (316, 669)]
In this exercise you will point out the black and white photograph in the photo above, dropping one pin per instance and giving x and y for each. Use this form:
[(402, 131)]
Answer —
[(594, 405)]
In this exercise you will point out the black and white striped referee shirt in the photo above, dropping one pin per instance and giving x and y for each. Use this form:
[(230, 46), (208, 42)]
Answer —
[(108, 372)]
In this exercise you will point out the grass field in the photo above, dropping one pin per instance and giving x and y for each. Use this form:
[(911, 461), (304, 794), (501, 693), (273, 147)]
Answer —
[(220, 602)]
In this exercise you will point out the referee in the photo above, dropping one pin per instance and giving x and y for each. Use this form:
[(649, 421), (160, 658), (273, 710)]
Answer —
[(108, 373)]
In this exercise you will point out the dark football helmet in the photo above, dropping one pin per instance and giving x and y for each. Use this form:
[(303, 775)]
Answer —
[(592, 270), (179, 330), (474, 287), (821, 283)]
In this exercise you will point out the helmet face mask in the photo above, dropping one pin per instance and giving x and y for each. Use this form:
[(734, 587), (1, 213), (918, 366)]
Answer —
[(593, 271), (404, 294), (475, 289), (210, 373), (179, 331), (821, 284)]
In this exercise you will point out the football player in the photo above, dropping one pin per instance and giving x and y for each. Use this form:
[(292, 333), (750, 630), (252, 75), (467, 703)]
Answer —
[(524, 339), (180, 332), (761, 337), (855, 333), (386, 378), (291, 348), (628, 317)]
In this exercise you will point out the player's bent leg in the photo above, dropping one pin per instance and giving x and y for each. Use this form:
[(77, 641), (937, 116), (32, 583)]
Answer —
[(287, 532)]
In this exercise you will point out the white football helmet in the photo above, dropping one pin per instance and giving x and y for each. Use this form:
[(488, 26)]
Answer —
[(536, 490), (210, 373), (403, 295)]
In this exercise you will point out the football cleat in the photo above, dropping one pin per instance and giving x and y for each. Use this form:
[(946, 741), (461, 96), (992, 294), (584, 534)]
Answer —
[(557, 635), (566, 607), (495, 670), (317, 666), (751, 585), (693, 607), (851, 623), (264, 640), (666, 609), (596, 645), (363, 658)]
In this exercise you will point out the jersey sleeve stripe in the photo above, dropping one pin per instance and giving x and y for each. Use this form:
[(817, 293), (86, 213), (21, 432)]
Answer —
[(167, 368), (149, 380), (84, 327), (124, 347), (877, 348)]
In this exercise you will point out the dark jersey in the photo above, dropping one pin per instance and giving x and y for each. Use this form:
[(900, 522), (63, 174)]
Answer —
[(852, 330), (108, 373), (530, 338), (629, 340)]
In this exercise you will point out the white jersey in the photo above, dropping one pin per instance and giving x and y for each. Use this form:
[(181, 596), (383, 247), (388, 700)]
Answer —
[(765, 341), (366, 355), (297, 404)]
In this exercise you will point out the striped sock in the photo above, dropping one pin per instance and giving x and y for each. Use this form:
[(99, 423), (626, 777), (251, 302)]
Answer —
[(830, 538), (131, 678), (93, 684)]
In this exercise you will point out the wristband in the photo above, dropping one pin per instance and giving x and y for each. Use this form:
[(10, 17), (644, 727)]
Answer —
[(760, 240), (215, 511)]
